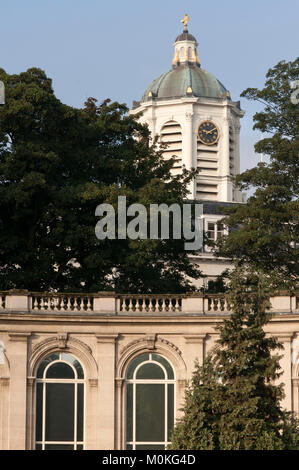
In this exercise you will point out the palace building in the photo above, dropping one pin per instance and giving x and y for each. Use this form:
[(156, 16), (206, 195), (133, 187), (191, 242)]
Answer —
[(108, 371)]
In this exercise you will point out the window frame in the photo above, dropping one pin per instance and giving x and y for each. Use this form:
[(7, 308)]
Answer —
[(134, 381), (75, 382), (215, 220)]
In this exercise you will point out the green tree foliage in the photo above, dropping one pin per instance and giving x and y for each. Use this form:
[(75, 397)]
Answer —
[(265, 232), (57, 163), (233, 401)]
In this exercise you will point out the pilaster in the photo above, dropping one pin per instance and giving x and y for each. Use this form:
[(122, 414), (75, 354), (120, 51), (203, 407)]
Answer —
[(17, 354), (106, 362), (194, 350)]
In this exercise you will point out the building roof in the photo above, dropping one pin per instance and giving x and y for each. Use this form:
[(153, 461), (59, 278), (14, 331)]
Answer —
[(176, 82), (185, 36)]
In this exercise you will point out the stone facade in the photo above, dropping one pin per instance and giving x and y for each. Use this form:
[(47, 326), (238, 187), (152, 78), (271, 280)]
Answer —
[(105, 333)]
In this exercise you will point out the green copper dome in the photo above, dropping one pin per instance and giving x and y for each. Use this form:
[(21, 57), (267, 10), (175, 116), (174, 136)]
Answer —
[(185, 80)]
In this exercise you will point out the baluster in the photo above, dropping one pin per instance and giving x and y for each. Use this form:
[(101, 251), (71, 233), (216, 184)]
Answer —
[(34, 303), (52, 303), (66, 302), (59, 303), (45, 303)]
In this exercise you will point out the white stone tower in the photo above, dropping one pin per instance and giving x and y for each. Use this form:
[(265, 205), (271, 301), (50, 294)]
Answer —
[(190, 110)]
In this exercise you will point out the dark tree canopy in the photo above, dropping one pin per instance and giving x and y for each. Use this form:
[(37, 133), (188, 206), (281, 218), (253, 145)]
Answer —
[(57, 163), (265, 232), (234, 399)]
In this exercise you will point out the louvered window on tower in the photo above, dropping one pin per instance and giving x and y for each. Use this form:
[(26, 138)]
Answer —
[(171, 135)]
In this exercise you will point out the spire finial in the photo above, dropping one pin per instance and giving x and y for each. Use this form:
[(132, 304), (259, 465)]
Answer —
[(185, 21)]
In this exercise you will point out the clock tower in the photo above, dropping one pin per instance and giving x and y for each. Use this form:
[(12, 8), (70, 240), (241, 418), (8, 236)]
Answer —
[(192, 112)]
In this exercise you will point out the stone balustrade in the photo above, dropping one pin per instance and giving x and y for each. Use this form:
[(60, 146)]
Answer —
[(62, 303), (150, 303), (110, 303)]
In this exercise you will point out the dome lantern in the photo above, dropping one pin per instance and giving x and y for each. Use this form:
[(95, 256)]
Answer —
[(186, 78), (185, 47)]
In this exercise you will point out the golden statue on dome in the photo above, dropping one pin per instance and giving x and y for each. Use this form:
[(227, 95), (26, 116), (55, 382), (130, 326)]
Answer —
[(185, 21)]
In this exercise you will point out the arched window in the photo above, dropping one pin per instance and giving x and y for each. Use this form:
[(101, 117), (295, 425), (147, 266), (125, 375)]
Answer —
[(150, 402), (60, 403)]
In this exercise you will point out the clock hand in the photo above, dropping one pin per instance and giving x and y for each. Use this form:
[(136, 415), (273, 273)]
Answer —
[(212, 130)]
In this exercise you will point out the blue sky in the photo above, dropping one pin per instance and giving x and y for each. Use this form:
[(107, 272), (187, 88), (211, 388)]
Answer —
[(116, 48)]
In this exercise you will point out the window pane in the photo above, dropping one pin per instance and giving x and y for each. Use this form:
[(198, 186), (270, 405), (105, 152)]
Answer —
[(79, 447), (138, 360), (60, 412), (129, 412), (150, 447), (129, 447), (38, 447), (39, 411), (150, 371), (211, 231), (165, 363), (80, 411), (45, 362), (69, 358), (60, 370), (150, 412), (59, 447), (170, 415)]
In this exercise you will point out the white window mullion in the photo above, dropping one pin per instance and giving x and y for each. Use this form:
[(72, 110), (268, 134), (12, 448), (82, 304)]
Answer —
[(44, 417), (166, 411), (75, 416), (134, 416)]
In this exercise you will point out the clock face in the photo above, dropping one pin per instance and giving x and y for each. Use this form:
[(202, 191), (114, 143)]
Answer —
[(208, 133)]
